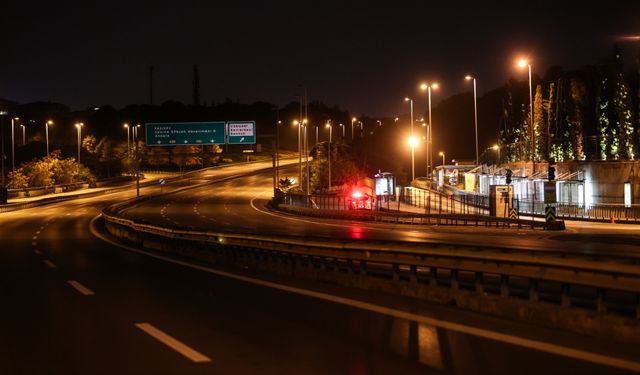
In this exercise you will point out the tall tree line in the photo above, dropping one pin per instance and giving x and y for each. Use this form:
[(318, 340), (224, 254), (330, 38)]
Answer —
[(588, 114)]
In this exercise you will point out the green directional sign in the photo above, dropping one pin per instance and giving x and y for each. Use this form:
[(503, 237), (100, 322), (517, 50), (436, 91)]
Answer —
[(185, 133), (241, 132)]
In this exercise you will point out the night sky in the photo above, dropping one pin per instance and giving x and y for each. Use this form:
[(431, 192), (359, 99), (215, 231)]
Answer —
[(362, 57)]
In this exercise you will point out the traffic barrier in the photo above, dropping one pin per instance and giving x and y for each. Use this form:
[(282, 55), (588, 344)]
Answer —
[(515, 283)]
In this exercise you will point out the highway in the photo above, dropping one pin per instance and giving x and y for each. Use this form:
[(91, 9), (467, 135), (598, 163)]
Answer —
[(75, 302)]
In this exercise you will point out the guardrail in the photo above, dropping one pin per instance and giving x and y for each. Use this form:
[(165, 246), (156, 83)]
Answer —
[(578, 293)]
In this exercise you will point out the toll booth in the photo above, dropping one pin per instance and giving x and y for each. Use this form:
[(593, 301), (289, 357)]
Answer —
[(500, 200)]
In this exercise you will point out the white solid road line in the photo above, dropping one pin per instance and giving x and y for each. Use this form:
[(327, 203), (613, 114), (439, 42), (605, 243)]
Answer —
[(80, 288), (49, 264), (542, 346), (174, 344)]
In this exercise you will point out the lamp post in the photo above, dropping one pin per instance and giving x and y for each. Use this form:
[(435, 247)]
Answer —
[(299, 125), (330, 139), (13, 144), (277, 154), (441, 153), (46, 130), (126, 126), (427, 87), (2, 113), (497, 148), (412, 142), (23, 133), (524, 63), (475, 113), (79, 126), (343, 127), (353, 120)]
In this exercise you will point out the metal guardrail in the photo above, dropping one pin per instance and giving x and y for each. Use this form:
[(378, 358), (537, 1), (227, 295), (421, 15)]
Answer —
[(611, 286)]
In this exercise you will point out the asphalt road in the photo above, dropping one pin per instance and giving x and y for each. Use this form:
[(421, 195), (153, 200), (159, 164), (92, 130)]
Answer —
[(72, 303)]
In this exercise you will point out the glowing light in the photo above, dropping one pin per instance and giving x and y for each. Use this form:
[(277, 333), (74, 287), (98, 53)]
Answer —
[(523, 63), (413, 141)]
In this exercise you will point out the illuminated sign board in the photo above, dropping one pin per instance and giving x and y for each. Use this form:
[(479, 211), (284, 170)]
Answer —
[(185, 133), (241, 132)]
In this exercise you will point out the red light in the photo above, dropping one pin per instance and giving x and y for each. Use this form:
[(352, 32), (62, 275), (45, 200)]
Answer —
[(356, 194)]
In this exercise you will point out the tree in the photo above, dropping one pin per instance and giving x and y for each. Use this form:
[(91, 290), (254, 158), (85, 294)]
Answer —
[(623, 107), (17, 179), (539, 133), (576, 118)]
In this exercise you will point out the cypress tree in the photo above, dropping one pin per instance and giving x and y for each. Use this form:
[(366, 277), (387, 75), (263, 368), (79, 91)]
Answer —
[(623, 108)]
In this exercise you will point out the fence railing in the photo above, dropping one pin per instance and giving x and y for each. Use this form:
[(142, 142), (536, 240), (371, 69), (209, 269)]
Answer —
[(449, 273)]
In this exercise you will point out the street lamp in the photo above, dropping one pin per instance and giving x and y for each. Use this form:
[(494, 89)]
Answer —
[(343, 128), (427, 87), (497, 148), (46, 130), (277, 154), (330, 126), (13, 144), (23, 134), (441, 153), (353, 120), (475, 113), (412, 142), (525, 63), (79, 126), (126, 126)]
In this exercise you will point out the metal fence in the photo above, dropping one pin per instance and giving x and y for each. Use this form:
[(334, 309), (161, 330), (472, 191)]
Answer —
[(435, 202)]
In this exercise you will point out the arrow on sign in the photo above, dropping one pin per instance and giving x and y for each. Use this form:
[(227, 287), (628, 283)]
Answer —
[(242, 139), (185, 141), (213, 141), (158, 142)]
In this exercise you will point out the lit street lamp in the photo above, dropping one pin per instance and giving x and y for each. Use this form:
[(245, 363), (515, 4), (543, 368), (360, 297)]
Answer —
[(277, 149), (46, 130), (524, 63), (353, 120), (79, 126), (126, 126), (23, 134), (343, 128), (441, 153), (475, 113), (13, 144), (497, 148), (412, 142), (330, 126), (427, 87)]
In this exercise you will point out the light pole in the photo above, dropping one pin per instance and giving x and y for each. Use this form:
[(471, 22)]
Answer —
[(475, 113), (427, 87), (46, 130), (79, 127), (343, 127), (23, 133), (277, 154), (413, 142), (330, 139), (2, 114), (353, 120), (126, 126), (299, 125), (524, 63), (441, 153), (497, 148), (13, 144)]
